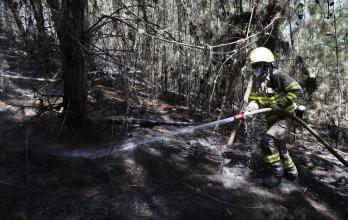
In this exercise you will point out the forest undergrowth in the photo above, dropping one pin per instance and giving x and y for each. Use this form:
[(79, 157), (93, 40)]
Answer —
[(49, 171)]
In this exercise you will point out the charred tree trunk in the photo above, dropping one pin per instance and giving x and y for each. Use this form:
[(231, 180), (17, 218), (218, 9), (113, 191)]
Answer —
[(42, 44), (39, 17), (13, 5), (275, 9), (74, 71), (70, 25)]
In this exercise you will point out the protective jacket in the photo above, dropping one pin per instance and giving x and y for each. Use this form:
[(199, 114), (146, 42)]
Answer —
[(278, 88)]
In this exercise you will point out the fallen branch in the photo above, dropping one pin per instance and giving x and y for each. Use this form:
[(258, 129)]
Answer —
[(29, 78), (5, 183), (137, 121)]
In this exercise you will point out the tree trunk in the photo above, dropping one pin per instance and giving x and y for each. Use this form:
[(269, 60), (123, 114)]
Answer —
[(70, 27), (13, 5), (39, 17)]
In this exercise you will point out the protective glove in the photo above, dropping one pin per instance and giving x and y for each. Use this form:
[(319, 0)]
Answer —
[(252, 106)]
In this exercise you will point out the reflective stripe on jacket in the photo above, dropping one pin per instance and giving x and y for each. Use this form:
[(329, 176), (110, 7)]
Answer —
[(279, 88)]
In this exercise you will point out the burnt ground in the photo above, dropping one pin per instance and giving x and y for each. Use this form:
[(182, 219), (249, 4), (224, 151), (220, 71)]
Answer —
[(51, 172)]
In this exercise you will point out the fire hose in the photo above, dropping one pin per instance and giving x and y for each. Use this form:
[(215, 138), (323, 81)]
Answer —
[(243, 116)]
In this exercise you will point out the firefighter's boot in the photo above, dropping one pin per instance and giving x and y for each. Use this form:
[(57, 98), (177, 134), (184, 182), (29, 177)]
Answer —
[(290, 169), (289, 166), (273, 161), (276, 168)]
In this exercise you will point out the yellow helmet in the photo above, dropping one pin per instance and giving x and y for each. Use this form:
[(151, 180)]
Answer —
[(261, 54)]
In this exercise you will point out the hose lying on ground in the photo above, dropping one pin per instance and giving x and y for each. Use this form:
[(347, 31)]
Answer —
[(312, 131)]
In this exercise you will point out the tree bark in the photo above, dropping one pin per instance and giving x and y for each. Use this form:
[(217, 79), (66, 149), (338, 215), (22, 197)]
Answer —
[(39, 17), (70, 18), (13, 5)]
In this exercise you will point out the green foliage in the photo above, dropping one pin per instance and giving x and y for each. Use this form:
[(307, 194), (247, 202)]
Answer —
[(312, 10), (315, 40)]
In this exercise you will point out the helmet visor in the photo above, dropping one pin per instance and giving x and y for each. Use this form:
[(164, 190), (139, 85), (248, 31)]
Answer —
[(258, 68)]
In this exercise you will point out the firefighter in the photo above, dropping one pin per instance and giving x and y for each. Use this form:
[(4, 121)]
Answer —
[(276, 89)]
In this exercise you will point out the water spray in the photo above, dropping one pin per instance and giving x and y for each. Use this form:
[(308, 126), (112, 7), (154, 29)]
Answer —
[(189, 130), (131, 144)]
